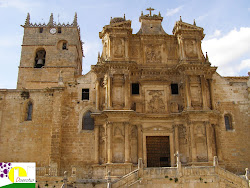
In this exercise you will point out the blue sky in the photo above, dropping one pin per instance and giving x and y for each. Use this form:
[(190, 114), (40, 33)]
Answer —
[(225, 22)]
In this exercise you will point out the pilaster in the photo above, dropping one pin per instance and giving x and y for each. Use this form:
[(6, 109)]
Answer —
[(109, 142), (209, 141), (127, 143), (139, 128), (204, 93), (97, 131)]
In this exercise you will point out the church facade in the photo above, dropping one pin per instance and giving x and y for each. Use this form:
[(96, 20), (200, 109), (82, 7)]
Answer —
[(151, 112)]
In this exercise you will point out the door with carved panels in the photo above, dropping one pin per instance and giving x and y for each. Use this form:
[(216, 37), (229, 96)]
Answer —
[(158, 151)]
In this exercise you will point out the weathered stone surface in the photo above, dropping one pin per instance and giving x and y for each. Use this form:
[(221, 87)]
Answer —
[(130, 95)]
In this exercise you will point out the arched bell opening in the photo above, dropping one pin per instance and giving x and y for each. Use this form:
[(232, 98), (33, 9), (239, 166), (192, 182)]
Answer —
[(40, 58)]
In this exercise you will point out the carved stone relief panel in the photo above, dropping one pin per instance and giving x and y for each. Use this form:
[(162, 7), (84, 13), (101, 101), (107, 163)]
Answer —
[(156, 103), (190, 48), (153, 54), (118, 143), (119, 47), (200, 142), (135, 51)]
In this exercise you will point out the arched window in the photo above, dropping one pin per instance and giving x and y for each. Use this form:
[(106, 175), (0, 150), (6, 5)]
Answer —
[(87, 121), (40, 58), (29, 111), (228, 122)]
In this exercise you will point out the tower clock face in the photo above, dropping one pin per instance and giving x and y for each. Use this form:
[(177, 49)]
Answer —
[(52, 30)]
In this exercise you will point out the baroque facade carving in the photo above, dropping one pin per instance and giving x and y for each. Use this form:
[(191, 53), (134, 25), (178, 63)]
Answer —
[(153, 98)]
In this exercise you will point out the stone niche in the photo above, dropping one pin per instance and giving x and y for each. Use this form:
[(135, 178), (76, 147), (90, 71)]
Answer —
[(190, 46), (118, 143), (118, 91), (200, 142), (196, 95), (119, 48)]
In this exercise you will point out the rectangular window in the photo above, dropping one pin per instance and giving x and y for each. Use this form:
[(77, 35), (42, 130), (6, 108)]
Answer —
[(85, 94), (40, 29), (135, 89), (59, 30), (174, 89)]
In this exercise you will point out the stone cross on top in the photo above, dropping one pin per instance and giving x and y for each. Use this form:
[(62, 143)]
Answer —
[(150, 10)]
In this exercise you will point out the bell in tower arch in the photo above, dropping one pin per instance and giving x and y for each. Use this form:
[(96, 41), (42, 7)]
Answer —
[(40, 58)]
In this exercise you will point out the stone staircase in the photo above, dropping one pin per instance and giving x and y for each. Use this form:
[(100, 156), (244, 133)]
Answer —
[(191, 176)]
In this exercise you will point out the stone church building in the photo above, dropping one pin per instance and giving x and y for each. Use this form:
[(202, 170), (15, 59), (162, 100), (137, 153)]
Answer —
[(152, 112)]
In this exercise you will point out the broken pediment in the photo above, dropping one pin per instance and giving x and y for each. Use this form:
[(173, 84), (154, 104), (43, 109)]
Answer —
[(158, 128), (182, 27)]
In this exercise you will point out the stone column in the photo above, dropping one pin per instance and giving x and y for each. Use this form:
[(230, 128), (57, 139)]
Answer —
[(176, 135), (127, 92), (97, 100), (109, 91), (211, 89), (194, 159), (209, 142), (127, 143), (97, 128), (204, 94), (139, 128), (188, 93), (109, 142), (111, 48)]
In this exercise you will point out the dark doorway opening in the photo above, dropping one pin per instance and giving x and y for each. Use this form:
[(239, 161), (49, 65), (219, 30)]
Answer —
[(158, 151)]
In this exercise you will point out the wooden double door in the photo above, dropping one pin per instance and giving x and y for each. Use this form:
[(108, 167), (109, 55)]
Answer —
[(158, 151)]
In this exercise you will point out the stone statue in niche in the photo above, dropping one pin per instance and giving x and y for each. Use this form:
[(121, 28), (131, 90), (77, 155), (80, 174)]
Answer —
[(119, 48), (201, 144), (200, 130), (190, 48), (153, 54), (156, 104)]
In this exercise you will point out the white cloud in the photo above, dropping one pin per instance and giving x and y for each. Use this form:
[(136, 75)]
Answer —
[(245, 64), (200, 18), (23, 5), (171, 12), (217, 33), (227, 52)]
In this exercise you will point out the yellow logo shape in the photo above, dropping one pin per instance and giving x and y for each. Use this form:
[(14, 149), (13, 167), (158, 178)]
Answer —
[(21, 173)]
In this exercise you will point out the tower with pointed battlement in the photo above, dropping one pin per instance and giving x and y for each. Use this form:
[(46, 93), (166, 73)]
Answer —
[(50, 52)]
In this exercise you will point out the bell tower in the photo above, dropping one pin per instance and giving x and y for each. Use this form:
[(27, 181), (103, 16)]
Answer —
[(51, 53)]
